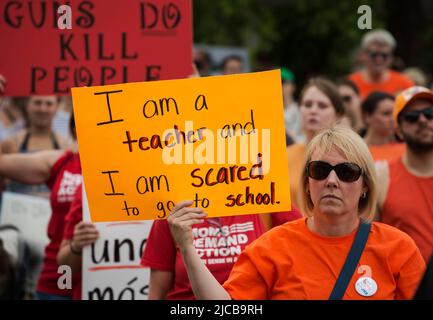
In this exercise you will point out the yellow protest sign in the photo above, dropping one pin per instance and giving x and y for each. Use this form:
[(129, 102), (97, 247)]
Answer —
[(219, 141)]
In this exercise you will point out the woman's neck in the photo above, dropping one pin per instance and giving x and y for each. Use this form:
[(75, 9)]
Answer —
[(39, 131), (333, 226), (309, 135), (374, 139)]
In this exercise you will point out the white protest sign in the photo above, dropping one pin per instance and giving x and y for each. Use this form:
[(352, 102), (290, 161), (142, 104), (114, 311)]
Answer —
[(30, 215), (111, 266)]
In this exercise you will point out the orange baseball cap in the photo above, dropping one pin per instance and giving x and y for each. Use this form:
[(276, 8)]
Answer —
[(408, 95)]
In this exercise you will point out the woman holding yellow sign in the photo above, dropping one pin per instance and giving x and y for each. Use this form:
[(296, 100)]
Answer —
[(218, 241), (334, 253)]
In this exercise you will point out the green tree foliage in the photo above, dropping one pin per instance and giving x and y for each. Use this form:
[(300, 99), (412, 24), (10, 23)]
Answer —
[(314, 37), (321, 36), (248, 23)]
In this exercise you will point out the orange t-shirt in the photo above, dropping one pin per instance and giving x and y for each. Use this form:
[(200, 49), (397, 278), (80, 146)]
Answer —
[(409, 206), (292, 262), (396, 83), (388, 151), (296, 158)]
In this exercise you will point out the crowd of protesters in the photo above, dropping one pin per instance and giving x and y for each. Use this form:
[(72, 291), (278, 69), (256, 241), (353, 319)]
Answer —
[(360, 154)]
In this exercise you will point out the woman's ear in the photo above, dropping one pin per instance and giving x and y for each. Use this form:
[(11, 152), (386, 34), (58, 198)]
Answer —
[(365, 188)]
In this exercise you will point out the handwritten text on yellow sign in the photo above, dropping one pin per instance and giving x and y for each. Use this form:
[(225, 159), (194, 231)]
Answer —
[(219, 141)]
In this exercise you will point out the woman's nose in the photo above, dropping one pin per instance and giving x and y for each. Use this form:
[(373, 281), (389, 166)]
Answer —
[(332, 179), (314, 107), (44, 107)]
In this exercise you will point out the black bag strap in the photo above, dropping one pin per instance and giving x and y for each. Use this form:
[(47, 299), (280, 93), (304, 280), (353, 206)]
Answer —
[(351, 262)]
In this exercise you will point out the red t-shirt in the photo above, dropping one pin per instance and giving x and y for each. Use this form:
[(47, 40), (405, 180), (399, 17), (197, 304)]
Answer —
[(409, 206), (74, 216), (218, 241), (64, 178)]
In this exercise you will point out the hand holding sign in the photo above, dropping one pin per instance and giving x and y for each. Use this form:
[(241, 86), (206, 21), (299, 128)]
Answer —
[(85, 233), (205, 139), (181, 219)]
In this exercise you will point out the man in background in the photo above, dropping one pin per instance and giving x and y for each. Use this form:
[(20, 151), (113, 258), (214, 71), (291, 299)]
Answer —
[(406, 189), (378, 46)]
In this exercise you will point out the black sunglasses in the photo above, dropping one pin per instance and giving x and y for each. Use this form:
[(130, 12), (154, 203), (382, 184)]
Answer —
[(346, 171), (413, 116), (375, 54)]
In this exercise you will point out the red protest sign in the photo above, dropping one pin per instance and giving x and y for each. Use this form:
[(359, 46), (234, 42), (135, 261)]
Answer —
[(109, 42)]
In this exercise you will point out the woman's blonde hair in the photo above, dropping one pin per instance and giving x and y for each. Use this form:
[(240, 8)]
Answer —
[(354, 149)]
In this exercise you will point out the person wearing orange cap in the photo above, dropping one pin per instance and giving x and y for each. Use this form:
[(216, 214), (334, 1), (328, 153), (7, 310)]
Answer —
[(406, 193)]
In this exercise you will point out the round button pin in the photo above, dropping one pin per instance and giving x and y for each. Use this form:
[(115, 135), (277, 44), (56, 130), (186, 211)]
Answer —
[(366, 286)]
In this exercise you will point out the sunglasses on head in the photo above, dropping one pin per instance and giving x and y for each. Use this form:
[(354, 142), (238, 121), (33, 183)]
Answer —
[(413, 116), (346, 171), (375, 54)]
